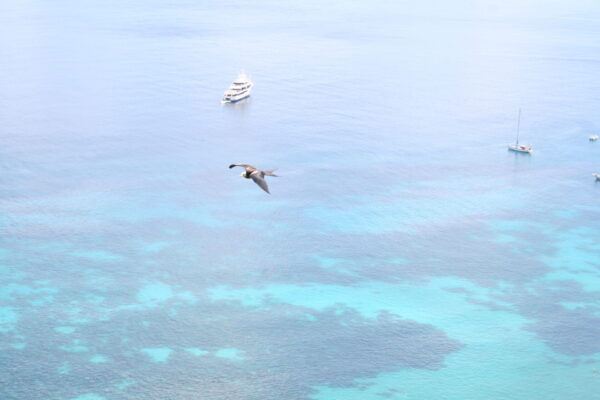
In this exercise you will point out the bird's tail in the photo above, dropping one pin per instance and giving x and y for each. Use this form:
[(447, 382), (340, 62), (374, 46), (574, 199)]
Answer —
[(270, 172)]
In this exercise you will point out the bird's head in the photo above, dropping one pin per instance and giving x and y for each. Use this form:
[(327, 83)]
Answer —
[(245, 175)]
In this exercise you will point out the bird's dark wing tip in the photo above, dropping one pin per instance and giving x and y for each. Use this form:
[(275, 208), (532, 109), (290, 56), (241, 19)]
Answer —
[(231, 166)]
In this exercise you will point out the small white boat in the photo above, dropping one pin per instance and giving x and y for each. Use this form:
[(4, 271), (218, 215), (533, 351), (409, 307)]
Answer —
[(593, 138), (597, 176), (519, 148), (239, 89)]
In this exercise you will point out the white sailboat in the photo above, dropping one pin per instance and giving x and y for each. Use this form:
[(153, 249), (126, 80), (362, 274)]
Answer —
[(519, 148)]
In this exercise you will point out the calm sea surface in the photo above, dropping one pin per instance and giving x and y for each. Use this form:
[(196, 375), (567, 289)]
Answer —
[(404, 253)]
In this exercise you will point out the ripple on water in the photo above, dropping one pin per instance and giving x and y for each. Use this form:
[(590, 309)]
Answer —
[(66, 330), (230, 353), (76, 347), (124, 384), (8, 319), (157, 292), (98, 255), (196, 351), (157, 354), (65, 368), (98, 358), (89, 396), (154, 293)]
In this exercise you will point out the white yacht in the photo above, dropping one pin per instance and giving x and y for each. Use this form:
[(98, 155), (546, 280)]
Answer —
[(519, 148), (239, 89), (593, 138)]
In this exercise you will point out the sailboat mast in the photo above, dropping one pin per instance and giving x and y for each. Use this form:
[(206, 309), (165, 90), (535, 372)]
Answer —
[(518, 126)]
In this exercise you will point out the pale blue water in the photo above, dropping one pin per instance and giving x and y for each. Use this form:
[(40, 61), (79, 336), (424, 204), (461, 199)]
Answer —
[(403, 253)]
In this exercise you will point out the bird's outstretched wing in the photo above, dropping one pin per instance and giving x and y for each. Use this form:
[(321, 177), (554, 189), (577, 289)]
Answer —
[(242, 165), (259, 180)]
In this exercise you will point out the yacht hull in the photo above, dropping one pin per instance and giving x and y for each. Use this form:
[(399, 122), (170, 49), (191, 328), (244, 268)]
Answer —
[(234, 100)]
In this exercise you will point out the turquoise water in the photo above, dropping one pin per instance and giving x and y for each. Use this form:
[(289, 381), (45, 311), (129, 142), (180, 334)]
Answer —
[(403, 252)]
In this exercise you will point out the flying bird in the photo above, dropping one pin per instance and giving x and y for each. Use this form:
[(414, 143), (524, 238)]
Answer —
[(258, 176)]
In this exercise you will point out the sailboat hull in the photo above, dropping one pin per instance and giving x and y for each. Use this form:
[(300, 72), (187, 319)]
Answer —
[(519, 149)]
